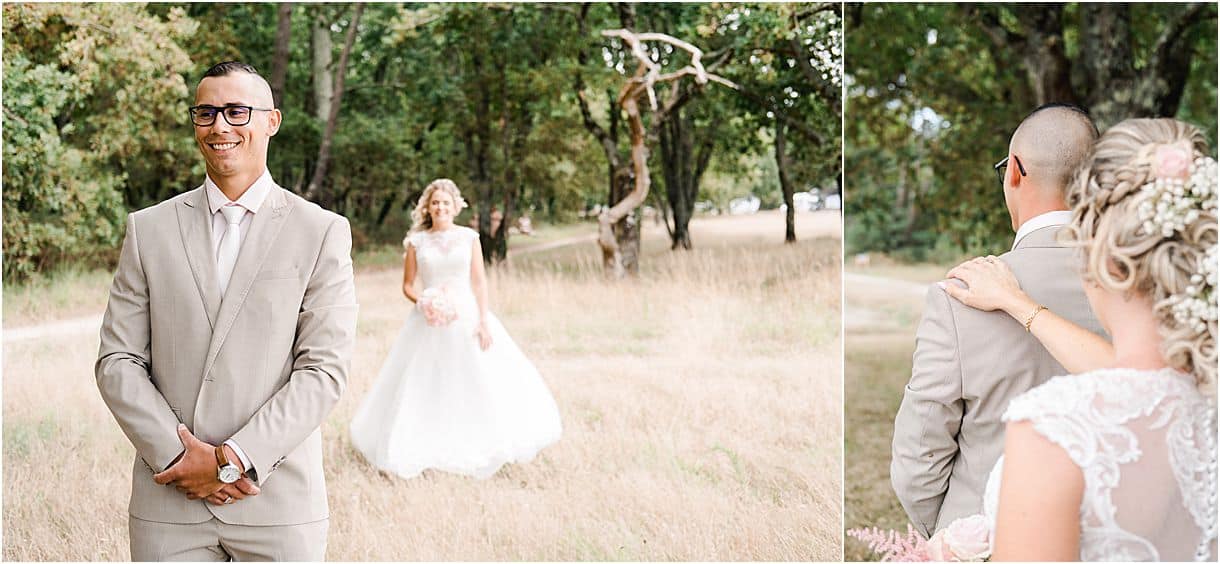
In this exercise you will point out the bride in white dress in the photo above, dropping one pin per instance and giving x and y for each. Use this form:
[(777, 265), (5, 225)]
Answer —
[(455, 393), (1118, 460)]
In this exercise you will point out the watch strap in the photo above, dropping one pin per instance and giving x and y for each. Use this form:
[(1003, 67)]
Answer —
[(221, 459)]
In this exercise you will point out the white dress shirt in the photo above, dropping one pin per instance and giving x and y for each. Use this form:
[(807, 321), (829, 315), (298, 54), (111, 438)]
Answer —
[(1048, 219), (252, 200)]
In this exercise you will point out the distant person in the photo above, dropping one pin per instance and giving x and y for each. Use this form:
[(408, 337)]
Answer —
[(1117, 461), (455, 393), (226, 342), (969, 364), (525, 226)]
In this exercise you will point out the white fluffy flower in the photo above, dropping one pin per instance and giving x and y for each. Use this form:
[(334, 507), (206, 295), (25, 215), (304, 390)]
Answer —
[(1170, 205), (1196, 306)]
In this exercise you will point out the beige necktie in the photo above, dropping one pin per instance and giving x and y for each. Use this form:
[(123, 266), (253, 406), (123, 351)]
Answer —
[(230, 245)]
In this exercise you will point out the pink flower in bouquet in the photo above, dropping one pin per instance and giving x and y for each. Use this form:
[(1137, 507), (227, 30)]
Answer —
[(438, 309), (893, 546), (964, 540), (1172, 161)]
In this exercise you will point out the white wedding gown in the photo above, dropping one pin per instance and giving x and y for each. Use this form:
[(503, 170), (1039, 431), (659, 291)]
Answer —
[(1146, 444), (440, 401)]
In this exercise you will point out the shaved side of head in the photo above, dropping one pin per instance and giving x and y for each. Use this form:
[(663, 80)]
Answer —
[(1051, 143)]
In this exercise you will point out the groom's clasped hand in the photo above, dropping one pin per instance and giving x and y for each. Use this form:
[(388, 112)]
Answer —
[(194, 473)]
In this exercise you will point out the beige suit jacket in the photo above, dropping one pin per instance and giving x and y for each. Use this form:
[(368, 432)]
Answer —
[(263, 364), (968, 364)]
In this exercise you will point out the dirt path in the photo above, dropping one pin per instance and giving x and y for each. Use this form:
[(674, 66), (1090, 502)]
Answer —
[(893, 287), (879, 304), (530, 249), (60, 328)]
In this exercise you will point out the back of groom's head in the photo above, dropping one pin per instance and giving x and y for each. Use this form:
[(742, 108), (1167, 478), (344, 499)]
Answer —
[(1052, 142)]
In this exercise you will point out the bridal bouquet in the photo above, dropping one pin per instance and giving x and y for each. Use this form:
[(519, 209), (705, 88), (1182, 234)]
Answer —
[(437, 307), (964, 540)]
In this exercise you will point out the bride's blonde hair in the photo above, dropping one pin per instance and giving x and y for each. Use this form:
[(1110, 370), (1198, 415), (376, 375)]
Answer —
[(420, 218), (1126, 251)]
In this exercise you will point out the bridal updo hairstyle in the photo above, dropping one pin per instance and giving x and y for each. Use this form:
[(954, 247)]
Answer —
[(420, 218), (1144, 214)]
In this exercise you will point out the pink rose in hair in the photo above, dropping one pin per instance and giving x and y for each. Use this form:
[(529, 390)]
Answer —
[(1171, 161)]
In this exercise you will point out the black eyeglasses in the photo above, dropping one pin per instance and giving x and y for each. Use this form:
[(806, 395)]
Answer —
[(1002, 166), (236, 116)]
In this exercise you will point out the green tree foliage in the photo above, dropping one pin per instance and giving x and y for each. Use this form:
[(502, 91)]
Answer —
[(89, 90), (95, 120), (934, 92)]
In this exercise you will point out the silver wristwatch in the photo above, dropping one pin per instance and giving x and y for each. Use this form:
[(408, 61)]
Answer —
[(226, 471)]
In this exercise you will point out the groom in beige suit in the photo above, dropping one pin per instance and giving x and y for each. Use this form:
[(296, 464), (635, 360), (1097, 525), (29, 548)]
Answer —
[(969, 364), (226, 342)]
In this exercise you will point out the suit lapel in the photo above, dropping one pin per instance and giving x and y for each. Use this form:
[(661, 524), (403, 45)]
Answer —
[(264, 229), (193, 224)]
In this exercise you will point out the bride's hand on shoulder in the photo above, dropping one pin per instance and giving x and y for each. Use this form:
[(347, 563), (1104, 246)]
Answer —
[(990, 285)]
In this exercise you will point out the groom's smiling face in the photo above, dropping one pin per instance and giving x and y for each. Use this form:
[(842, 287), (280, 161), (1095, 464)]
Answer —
[(236, 150)]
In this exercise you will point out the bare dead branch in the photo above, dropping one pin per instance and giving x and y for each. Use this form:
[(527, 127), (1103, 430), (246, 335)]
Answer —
[(651, 74), (643, 83)]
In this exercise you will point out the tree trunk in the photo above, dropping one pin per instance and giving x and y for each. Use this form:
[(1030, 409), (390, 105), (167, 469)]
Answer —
[(314, 192), (676, 151), (279, 64), (627, 230), (1046, 61), (785, 183), (683, 164), (514, 137), (619, 179), (635, 88), (323, 78), (612, 254), (1114, 89), (478, 137)]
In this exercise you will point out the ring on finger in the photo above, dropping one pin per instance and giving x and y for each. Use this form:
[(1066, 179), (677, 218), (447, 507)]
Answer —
[(228, 500)]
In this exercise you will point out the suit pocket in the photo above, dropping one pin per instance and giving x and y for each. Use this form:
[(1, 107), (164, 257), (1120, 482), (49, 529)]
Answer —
[(277, 273), (177, 413)]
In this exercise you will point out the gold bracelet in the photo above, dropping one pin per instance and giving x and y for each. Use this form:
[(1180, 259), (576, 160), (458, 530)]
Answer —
[(1030, 320)]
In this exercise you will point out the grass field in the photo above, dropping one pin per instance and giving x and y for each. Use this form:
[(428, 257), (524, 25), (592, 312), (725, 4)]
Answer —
[(882, 312), (701, 407)]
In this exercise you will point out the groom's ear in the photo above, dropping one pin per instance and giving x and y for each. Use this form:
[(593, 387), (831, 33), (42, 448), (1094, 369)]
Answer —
[(274, 117), (1014, 175)]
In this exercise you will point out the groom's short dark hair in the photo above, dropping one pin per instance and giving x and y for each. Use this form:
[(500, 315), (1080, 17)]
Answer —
[(1084, 114), (230, 67)]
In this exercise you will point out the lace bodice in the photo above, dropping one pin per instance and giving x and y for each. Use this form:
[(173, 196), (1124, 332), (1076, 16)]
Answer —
[(1145, 442), (443, 257)]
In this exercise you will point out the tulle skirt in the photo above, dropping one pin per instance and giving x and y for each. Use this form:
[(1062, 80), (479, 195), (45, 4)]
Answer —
[(443, 403)]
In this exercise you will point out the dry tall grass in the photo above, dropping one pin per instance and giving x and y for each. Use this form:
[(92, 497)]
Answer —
[(701, 408)]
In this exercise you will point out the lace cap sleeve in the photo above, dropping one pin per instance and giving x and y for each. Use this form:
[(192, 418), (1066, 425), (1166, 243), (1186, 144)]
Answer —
[(1055, 410), (412, 239), (1086, 412), (1049, 399)]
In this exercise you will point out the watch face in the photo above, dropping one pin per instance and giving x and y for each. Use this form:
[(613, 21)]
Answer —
[(229, 474)]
